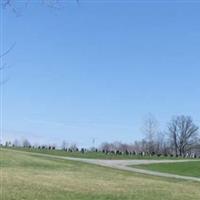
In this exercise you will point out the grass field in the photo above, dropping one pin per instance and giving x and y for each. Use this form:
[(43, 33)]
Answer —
[(185, 169), (92, 155), (28, 177)]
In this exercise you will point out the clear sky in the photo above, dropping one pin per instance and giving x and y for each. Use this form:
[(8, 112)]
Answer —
[(96, 69)]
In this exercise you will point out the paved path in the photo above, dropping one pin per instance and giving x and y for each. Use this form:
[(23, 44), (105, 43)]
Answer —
[(125, 165)]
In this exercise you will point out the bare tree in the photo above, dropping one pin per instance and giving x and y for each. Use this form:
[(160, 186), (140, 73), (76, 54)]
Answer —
[(73, 147), (26, 143), (16, 143), (183, 134), (3, 65), (11, 4), (105, 146), (64, 145), (150, 129)]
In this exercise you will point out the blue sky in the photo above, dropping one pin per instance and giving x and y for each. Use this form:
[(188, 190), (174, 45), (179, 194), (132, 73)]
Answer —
[(97, 69)]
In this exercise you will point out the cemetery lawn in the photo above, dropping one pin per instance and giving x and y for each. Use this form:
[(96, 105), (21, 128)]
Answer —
[(185, 168), (92, 155), (33, 177)]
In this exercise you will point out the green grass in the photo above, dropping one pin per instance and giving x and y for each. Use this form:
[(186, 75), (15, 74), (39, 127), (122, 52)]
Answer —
[(185, 168), (33, 177), (92, 155)]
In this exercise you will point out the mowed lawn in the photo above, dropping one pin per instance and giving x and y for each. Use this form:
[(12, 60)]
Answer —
[(184, 168), (92, 155), (34, 177)]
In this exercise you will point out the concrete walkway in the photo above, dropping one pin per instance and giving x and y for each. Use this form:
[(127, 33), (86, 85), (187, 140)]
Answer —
[(126, 165)]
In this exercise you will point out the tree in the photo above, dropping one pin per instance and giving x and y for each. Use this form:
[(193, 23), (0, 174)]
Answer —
[(3, 65), (16, 143), (183, 134), (26, 143), (11, 4), (73, 147), (64, 145), (150, 129), (8, 144), (105, 146)]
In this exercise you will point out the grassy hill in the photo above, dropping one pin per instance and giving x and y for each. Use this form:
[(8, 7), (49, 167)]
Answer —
[(32, 177), (92, 155)]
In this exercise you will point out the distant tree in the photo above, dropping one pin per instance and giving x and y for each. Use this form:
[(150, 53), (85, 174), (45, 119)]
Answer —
[(16, 143), (183, 134), (150, 130), (122, 147), (161, 143), (8, 143), (73, 147), (105, 147), (26, 143), (64, 145)]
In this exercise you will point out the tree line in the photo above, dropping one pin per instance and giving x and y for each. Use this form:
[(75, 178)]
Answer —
[(180, 139)]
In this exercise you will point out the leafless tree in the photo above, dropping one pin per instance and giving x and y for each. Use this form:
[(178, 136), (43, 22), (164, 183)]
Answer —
[(105, 146), (11, 4), (64, 145), (183, 134), (16, 143), (150, 130), (26, 143), (3, 64), (73, 147)]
